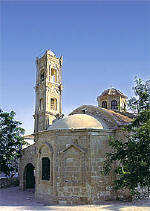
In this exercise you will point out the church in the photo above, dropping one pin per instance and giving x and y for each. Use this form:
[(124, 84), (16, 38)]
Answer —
[(64, 164)]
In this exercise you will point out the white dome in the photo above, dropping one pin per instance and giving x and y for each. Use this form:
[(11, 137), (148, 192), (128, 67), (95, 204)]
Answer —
[(76, 121)]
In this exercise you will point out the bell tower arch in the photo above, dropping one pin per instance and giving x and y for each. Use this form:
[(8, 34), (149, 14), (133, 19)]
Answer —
[(48, 90)]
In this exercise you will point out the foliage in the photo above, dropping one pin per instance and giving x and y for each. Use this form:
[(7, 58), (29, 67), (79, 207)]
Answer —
[(132, 157), (11, 141)]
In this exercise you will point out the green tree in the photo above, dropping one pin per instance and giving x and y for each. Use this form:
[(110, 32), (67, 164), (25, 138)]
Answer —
[(11, 141), (132, 157)]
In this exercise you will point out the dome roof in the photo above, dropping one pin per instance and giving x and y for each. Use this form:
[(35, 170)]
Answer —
[(108, 118), (76, 121), (113, 92)]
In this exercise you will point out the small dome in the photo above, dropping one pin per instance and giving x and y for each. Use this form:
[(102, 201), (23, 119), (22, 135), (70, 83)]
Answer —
[(112, 92), (76, 121)]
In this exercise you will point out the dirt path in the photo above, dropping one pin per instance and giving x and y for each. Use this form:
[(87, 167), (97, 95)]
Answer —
[(14, 199)]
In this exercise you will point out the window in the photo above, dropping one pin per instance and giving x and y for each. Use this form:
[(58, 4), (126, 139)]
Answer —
[(42, 76), (47, 123), (124, 107), (53, 104), (104, 104), (114, 105), (49, 73), (45, 168), (53, 75), (41, 105)]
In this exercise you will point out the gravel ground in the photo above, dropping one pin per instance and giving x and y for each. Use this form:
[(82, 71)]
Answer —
[(14, 199)]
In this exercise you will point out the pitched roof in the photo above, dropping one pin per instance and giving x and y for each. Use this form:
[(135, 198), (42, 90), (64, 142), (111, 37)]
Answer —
[(29, 136), (113, 92), (119, 117)]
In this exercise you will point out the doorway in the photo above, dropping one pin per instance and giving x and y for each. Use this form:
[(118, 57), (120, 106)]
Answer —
[(29, 176)]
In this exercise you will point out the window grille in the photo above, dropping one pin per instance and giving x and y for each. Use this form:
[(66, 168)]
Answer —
[(114, 105), (53, 104)]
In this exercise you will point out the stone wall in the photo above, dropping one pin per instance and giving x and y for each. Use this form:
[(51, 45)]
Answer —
[(28, 155), (66, 150), (76, 160), (8, 182), (77, 157), (100, 186)]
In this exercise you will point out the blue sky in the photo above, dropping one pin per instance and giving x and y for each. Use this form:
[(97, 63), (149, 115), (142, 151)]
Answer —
[(104, 44)]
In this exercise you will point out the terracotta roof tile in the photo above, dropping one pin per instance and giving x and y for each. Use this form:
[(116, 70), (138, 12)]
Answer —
[(29, 136), (112, 92)]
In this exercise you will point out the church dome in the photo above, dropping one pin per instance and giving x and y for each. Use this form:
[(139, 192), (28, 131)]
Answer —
[(112, 92), (76, 121)]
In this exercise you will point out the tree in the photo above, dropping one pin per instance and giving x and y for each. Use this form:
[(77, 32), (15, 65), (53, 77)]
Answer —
[(11, 141), (132, 157)]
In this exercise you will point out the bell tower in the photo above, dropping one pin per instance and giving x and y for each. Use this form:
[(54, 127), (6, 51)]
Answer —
[(48, 90)]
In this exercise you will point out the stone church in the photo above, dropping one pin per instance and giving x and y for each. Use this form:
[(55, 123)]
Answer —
[(65, 162)]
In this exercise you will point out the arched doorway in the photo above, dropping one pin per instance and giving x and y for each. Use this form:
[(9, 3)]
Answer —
[(29, 176)]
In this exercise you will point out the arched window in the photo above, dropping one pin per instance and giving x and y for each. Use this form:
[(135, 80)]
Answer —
[(42, 76), (54, 75), (104, 104), (114, 105), (45, 168), (41, 106), (54, 104), (49, 73)]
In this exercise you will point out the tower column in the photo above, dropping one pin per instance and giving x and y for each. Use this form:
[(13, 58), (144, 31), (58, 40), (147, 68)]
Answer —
[(48, 92)]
